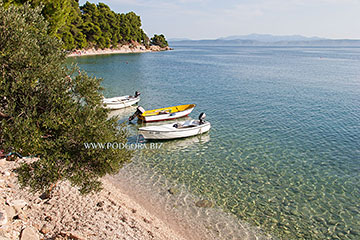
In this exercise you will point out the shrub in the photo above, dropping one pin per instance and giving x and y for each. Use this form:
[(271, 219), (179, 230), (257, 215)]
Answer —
[(49, 110)]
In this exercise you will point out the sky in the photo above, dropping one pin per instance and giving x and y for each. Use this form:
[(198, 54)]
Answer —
[(210, 19)]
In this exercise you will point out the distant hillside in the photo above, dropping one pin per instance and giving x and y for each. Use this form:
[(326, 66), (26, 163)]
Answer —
[(270, 40), (178, 39)]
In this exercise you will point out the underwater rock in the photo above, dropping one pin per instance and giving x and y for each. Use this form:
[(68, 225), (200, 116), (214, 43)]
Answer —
[(204, 203), (173, 190)]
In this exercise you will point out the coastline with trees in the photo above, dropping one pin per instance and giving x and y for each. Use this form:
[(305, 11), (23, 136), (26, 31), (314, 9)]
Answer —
[(47, 111), (93, 29)]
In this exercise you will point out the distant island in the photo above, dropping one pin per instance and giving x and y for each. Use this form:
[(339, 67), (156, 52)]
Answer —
[(269, 40)]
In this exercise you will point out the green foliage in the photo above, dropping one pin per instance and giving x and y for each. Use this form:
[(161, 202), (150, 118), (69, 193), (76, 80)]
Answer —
[(159, 40), (54, 11), (104, 28), (89, 25), (49, 110)]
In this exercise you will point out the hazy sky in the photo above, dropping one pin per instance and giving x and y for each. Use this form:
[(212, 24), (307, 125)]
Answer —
[(200, 19)]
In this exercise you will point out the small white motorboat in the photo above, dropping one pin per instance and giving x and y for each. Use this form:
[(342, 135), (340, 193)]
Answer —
[(176, 130), (121, 102)]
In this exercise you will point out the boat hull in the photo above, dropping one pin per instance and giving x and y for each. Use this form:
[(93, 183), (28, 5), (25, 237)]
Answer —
[(165, 117), (167, 131), (120, 102)]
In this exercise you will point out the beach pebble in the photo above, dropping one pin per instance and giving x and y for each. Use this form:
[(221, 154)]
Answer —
[(10, 212), (2, 183), (10, 185), (3, 218), (46, 228), (18, 204), (72, 235), (29, 233)]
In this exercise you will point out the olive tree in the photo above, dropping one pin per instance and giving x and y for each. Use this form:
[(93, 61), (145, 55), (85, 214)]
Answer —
[(49, 110)]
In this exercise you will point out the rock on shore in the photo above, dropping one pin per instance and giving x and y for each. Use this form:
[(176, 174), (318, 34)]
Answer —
[(127, 48)]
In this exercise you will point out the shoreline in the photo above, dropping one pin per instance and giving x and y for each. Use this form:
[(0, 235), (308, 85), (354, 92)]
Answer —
[(109, 214), (193, 217), (128, 207), (124, 49)]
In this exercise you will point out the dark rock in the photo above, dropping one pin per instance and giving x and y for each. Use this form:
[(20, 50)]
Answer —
[(45, 195), (100, 204)]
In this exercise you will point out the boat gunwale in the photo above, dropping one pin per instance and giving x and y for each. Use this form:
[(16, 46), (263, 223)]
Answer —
[(126, 99), (178, 130), (191, 106)]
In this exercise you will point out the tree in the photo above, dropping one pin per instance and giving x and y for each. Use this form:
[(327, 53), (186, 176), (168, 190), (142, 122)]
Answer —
[(50, 111), (89, 25), (159, 40), (54, 11)]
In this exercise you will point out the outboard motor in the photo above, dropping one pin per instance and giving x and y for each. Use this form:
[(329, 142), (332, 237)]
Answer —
[(137, 94), (202, 117), (140, 110)]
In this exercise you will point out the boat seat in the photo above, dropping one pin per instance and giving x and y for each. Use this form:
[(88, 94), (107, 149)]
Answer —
[(187, 124), (163, 112)]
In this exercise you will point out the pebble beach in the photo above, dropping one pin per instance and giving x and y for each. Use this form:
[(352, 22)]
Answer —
[(109, 214)]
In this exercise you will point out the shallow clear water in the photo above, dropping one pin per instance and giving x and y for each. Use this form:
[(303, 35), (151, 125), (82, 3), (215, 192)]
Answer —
[(284, 149)]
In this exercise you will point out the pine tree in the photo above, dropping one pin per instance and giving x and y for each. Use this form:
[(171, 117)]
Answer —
[(159, 40)]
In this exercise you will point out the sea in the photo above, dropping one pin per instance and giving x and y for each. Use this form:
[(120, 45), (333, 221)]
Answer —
[(282, 159)]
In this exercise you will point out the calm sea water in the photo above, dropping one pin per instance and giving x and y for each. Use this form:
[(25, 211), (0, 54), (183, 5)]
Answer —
[(284, 149)]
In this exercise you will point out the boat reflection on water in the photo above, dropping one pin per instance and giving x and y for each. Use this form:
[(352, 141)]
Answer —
[(166, 146), (122, 114), (186, 143)]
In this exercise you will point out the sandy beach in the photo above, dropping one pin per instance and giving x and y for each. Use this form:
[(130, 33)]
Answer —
[(109, 214), (131, 48)]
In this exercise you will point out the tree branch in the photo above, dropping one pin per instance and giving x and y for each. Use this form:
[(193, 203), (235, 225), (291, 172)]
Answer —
[(3, 115)]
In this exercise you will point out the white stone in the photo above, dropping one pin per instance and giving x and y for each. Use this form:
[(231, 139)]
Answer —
[(3, 218), (29, 233), (3, 238), (2, 183), (18, 203), (10, 212)]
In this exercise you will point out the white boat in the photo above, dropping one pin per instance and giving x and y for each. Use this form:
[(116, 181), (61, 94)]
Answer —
[(121, 102), (162, 114), (178, 130)]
